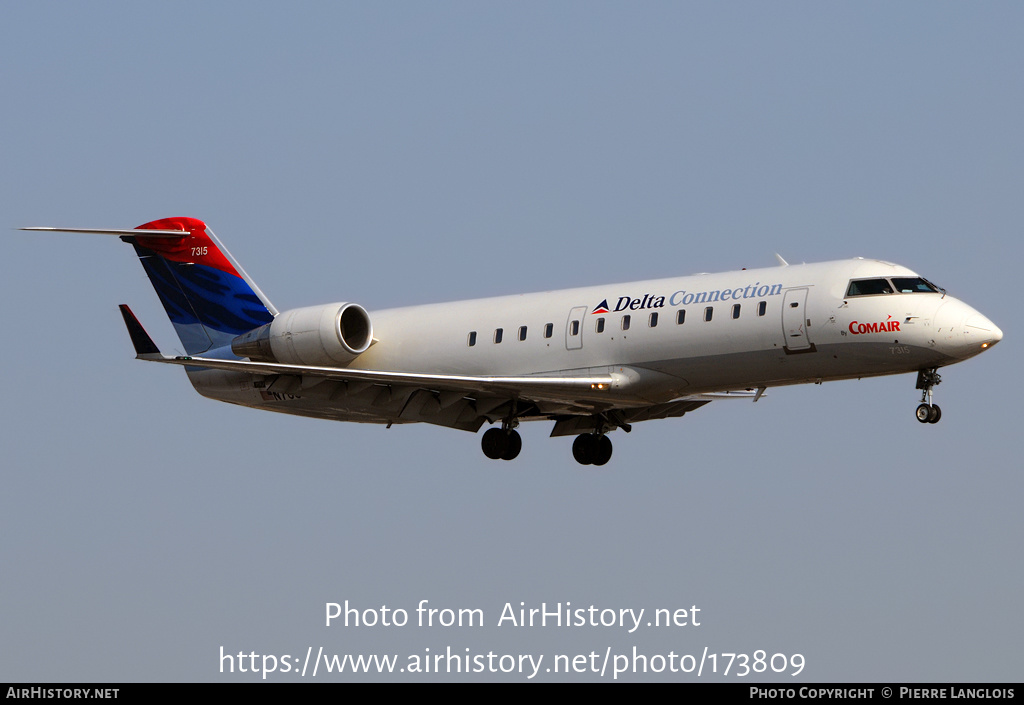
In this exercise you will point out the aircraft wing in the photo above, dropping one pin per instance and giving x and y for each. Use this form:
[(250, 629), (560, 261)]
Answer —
[(532, 386), (534, 383), (571, 401)]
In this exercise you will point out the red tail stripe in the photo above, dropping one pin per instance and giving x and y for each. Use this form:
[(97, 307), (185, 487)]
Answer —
[(195, 248)]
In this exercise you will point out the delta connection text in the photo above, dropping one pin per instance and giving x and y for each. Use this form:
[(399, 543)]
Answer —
[(685, 298), (558, 614)]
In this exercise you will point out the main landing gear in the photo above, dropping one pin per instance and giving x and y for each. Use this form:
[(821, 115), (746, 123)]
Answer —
[(596, 448), (927, 412), (592, 449), (588, 449), (501, 443)]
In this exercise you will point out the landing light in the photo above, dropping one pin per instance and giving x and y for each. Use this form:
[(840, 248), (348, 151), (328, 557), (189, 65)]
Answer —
[(984, 345)]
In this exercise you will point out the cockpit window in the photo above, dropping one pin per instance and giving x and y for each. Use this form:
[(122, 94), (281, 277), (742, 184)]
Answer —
[(902, 285), (869, 287), (914, 285)]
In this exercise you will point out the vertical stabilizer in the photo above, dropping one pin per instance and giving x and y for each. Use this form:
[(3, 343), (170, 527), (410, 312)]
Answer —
[(206, 293)]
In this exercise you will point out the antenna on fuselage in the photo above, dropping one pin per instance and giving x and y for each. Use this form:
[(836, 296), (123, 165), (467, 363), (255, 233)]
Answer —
[(782, 262)]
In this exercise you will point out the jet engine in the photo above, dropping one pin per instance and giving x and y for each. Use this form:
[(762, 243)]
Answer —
[(326, 335)]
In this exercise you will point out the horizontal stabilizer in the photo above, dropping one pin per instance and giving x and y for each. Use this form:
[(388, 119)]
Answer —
[(208, 297), (120, 233), (144, 345)]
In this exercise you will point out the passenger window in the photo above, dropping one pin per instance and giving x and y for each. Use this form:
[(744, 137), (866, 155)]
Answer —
[(548, 329), (680, 316), (735, 311), (653, 320), (472, 338), (625, 322), (708, 312), (497, 335), (762, 308), (522, 332), (600, 325)]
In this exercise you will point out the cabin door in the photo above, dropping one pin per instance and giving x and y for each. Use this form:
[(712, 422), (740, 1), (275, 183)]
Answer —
[(795, 321)]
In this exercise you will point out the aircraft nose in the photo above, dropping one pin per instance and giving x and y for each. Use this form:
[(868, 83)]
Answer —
[(962, 331), (985, 332)]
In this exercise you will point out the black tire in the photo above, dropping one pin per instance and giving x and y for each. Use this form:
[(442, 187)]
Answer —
[(935, 414), (494, 443), (924, 412), (513, 444), (583, 449), (602, 450)]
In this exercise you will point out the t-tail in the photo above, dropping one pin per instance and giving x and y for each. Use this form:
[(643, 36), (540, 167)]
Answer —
[(206, 293)]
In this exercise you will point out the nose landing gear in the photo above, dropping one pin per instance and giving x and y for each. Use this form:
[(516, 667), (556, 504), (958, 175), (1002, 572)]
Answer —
[(927, 412)]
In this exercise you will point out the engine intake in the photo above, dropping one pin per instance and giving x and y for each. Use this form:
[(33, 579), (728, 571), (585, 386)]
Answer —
[(332, 334)]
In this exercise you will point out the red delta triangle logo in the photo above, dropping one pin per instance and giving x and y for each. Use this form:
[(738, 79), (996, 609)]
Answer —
[(601, 307)]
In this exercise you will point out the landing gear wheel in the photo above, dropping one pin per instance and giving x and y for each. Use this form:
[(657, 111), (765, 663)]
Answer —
[(495, 443), (929, 413), (583, 449), (602, 450), (501, 445), (592, 449), (514, 444), (926, 411)]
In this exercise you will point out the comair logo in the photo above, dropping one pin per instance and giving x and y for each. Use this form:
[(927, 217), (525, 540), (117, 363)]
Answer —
[(886, 326)]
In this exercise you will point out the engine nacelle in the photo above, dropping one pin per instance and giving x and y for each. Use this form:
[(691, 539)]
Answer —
[(326, 335)]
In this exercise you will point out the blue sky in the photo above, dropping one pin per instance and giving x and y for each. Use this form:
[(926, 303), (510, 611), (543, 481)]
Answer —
[(403, 153)]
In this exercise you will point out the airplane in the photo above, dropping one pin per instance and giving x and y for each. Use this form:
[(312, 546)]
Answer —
[(591, 360)]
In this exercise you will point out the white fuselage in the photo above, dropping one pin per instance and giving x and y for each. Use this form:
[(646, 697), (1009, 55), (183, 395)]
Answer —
[(666, 338)]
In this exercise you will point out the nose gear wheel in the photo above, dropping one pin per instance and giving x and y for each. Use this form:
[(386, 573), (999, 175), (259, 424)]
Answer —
[(927, 412)]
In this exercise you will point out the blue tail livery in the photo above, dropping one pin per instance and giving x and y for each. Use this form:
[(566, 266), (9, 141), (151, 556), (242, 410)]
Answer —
[(206, 293)]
